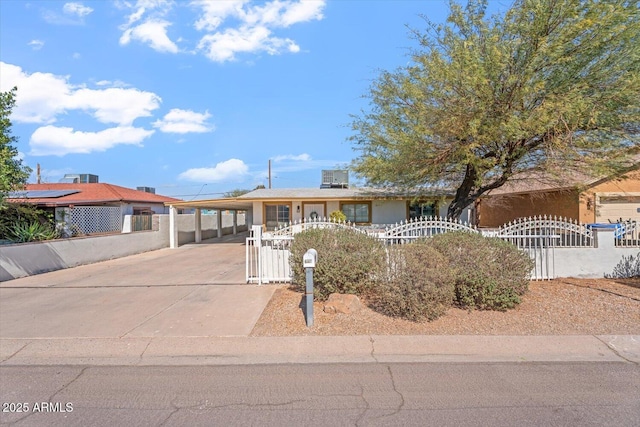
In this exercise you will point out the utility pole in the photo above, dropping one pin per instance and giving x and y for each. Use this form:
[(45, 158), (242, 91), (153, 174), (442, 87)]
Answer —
[(269, 173), (38, 173)]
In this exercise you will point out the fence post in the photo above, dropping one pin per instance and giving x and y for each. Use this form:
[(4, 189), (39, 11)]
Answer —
[(257, 242), (604, 238)]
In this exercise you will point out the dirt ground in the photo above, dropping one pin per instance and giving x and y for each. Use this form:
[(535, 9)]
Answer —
[(557, 307)]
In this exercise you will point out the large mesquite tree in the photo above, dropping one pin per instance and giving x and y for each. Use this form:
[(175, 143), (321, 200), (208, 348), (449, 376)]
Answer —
[(548, 85)]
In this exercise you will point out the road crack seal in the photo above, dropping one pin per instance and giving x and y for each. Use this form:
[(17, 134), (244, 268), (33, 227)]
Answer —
[(145, 350), (50, 399), (69, 383), (18, 351), (615, 350), (366, 408), (373, 349)]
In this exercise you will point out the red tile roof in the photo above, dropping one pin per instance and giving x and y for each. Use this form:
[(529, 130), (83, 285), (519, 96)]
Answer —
[(91, 194)]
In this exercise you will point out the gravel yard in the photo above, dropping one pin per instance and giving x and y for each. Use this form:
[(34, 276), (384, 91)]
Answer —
[(557, 307)]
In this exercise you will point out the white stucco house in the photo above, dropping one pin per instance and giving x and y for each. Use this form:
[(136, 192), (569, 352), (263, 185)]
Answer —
[(366, 207)]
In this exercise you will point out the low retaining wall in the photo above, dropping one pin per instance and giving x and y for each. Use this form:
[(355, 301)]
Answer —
[(591, 262), (26, 259)]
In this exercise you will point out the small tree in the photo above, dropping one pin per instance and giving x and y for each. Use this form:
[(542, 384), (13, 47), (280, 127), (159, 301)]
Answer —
[(549, 85), (13, 174)]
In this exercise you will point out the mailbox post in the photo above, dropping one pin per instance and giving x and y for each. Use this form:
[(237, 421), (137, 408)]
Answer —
[(309, 261)]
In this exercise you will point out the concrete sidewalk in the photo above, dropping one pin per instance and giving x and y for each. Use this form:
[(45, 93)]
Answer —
[(184, 351)]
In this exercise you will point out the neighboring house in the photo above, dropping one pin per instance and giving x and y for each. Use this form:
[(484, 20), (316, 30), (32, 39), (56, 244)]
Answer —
[(371, 207), (582, 198), (91, 207)]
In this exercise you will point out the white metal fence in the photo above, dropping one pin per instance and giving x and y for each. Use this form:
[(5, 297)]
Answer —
[(267, 257), (313, 223), (268, 253), (627, 234)]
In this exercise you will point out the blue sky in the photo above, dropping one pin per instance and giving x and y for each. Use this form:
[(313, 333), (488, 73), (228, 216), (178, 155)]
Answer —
[(191, 97)]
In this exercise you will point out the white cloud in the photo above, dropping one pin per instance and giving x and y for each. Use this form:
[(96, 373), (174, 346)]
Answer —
[(254, 34), (215, 12), (43, 96), (221, 47), (77, 9), (184, 121), (231, 27), (76, 55), (153, 30), (40, 97), (304, 157), (285, 13), (36, 44), (58, 141), (229, 170), (73, 13), (153, 33)]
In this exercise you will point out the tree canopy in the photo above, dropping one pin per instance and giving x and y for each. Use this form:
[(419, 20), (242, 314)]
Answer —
[(548, 85), (236, 192), (13, 174)]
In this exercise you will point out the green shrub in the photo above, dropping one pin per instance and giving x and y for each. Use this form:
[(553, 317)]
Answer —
[(31, 232), (348, 261), (337, 216), (19, 221), (419, 284), (490, 274)]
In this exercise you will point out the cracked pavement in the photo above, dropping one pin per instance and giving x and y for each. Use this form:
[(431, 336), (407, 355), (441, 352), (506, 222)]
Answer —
[(500, 394)]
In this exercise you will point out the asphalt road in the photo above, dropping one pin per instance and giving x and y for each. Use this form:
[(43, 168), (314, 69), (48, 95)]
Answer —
[(495, 394)]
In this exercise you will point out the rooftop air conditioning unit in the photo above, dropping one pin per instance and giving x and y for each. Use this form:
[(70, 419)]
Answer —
[(335, 179), (147, 189), (80, 178)]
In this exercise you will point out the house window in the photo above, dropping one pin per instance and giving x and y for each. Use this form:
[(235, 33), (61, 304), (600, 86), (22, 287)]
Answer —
[(277, 216), (359, 213), (420, 209)]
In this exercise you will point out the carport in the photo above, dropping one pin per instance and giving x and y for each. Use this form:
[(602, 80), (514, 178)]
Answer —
[(218, 205)]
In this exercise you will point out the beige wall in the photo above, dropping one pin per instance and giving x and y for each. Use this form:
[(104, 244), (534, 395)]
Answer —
[(630, 183)]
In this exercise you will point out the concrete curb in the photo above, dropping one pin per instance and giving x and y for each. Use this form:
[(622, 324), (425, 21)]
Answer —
[(195, 351)]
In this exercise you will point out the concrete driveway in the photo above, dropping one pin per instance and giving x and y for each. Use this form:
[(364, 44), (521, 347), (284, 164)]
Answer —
[(197, 290)]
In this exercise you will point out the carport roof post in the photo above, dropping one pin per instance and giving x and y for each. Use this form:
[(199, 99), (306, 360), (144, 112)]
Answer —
[(173, 227)]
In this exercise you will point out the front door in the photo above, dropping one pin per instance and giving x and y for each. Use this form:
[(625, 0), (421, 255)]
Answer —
[(313, 211)]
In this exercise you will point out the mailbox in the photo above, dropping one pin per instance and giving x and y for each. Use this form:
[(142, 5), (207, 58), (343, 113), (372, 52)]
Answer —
[(310, 258)]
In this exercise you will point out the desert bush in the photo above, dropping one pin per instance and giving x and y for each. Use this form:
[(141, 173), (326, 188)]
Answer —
[(337, 216), (490, 274), (418, 285), (348, 261), (627, 268)]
